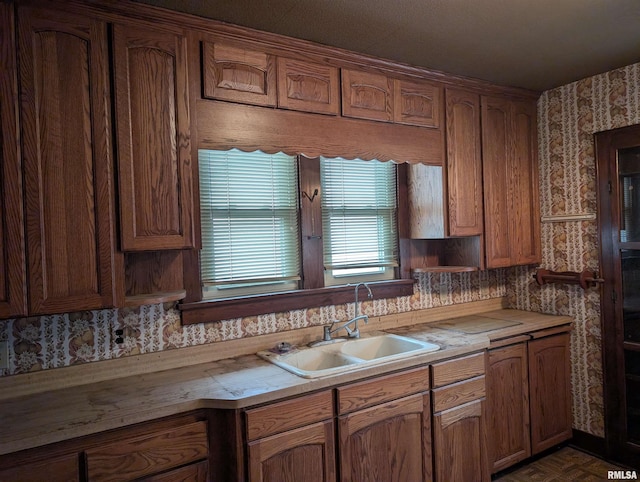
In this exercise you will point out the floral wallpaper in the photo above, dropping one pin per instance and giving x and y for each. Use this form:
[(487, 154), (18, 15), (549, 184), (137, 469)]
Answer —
[(567, 119), (44, 342)]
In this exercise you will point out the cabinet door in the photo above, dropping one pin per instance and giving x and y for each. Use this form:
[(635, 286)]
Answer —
[(308, 87), (508, 406), (12, 249), (387, 442), (367, 96), (417, 103), (67, 157), (238, 74), (524, 175), (464, 163), (496, 166), (190, 473), (459, 448), (549, 391), (154, 158), (60, 469), (303, 454)]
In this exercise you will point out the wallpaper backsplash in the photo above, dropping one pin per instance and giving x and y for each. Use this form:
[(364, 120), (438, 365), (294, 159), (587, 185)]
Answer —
[(39, 343)]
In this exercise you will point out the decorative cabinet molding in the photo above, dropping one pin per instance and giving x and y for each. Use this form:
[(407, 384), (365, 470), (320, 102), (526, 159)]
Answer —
[(366, 95), (154, 145), (13, 299), (510, 178), (308, 87), (67, 160), (238, 74), (417, 103)]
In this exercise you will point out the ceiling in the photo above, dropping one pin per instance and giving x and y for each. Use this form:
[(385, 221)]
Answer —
[(535, 44)]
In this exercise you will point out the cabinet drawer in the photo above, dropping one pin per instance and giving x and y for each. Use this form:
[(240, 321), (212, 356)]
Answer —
[(382, 389), (148, 454), (458, 369), (289, 414), (62, 469), (458, 394)]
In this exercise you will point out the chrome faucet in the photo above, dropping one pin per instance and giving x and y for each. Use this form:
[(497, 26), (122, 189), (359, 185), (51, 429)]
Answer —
[(351, 332)]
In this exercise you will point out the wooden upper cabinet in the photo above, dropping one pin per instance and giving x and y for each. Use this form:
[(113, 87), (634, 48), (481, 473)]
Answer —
[(464, 163), (417, 103), (238, 74), (12, 248), (308, 87), (154, 146), (366, 95), (510, 177), (65, 100)]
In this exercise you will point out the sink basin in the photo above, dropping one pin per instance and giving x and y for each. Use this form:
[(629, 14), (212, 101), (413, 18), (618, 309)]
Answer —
[(342, 356)]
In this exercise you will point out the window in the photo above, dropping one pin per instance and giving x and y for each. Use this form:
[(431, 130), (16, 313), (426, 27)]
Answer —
[(358, 220), (250, 214)]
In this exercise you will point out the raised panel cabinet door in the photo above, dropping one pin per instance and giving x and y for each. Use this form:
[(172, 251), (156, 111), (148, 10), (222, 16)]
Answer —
[(366, 95), (508, 406), (391, 441), (67, 156), (308, 87), (459, 448), (464, 163), (549, 391), (417, 103), (496, 173), (154, 155), (13, 301), (524, 175), (238, 74), (306, 453)]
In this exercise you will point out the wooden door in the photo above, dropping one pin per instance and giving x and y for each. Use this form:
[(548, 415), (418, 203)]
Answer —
[(618, 152), (63, 468), (459, 448), (496, 166), (464, 163), (305, 453), (417, 103), (549, 391), (67, 157), (308, 87), (508, 406), (525, 217), (366, 95), (154, 153), (13, 301), (391, 442)]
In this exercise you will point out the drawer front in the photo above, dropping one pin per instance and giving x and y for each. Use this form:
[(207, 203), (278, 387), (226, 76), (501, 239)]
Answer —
[(458, 369), (148, 454), (382, 389), (289, 414), (459, 393)]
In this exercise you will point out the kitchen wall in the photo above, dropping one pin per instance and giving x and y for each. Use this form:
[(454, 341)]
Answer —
[(44, 342), (567, 119)]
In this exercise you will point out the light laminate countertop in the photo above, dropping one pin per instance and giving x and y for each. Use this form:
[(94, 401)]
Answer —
[(37, 419)]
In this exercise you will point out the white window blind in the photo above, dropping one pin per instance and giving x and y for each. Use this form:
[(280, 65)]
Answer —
[(249, 213), (359, 210)]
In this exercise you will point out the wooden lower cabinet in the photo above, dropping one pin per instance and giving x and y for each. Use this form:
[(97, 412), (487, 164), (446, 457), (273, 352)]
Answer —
[(529, 397), (390, 442), (508, 410), (57, 469)]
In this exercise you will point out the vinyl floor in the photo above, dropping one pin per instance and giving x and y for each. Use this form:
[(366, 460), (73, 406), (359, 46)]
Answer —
[(564, 465)]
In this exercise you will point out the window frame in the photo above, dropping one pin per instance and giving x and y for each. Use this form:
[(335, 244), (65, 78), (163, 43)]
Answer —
[(312, 292)]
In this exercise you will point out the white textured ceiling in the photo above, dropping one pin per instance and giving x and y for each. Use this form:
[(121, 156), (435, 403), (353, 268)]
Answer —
[(535, 44)]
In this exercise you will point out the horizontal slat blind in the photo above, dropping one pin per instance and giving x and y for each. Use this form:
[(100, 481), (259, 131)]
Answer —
[(359, 214), (249, 213)]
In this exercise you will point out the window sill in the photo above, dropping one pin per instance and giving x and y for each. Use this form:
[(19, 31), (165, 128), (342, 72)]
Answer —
[(216, 310)]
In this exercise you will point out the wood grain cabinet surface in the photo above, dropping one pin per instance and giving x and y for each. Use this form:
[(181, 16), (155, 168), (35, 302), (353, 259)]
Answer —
[(13, 277), (510, 177), (366, 95), (308, 86), (153, 133), (64, 92), (239, 74), (65, 468), (417, 103)]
